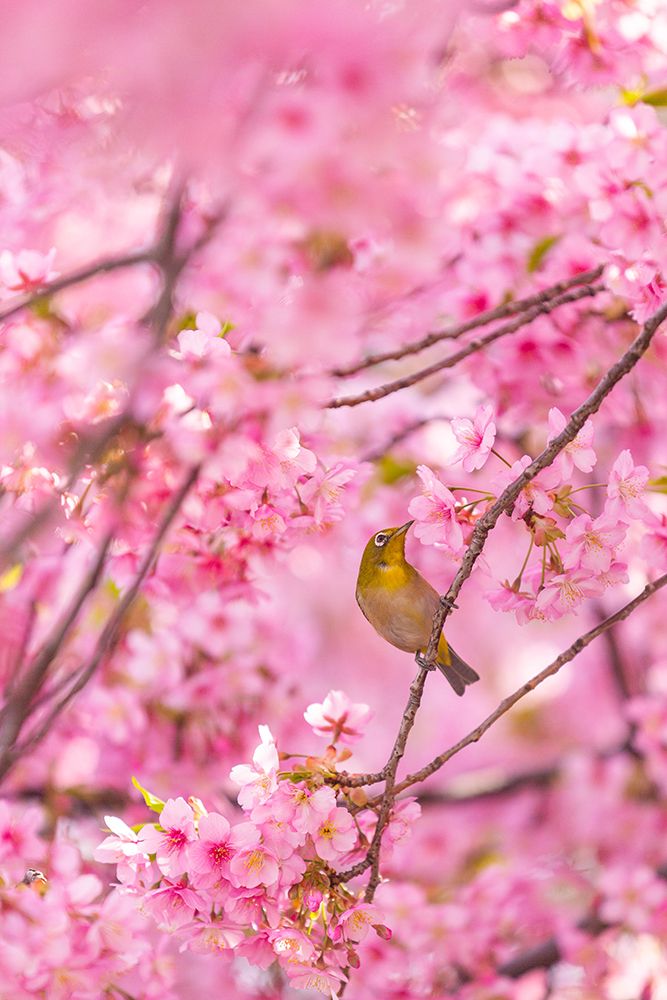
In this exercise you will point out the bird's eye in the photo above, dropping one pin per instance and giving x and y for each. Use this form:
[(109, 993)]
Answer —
[(381, 539)]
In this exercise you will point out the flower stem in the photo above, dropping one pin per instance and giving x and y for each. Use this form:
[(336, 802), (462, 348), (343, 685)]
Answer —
[(498, 455), (517, 583)]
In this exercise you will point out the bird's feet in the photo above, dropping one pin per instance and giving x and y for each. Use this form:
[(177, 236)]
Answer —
[(420, 660)]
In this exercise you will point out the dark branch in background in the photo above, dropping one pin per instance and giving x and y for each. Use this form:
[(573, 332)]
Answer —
[(17, 708), (77, 277), (482, 319), (163, 255), (618, 667), (10, 753), (399, 436), (370, 395), (488, 784)]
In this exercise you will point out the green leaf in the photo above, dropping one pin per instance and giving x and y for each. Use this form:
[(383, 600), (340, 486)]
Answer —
[(658, 485), (656, 98), (392, 469), (538, 253), (152, 801)]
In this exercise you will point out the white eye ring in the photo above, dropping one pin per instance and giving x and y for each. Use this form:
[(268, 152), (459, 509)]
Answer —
[(381, 539)]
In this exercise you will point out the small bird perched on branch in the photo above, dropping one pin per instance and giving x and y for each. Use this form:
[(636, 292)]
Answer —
[(400, 604)]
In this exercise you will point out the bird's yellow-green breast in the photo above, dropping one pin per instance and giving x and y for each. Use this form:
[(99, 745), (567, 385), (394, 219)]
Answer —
[(400, 604)]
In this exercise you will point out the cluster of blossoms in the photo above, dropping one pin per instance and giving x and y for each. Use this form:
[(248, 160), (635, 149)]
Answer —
[(269, 887), (579, 552), (353, 179), (63, 934)]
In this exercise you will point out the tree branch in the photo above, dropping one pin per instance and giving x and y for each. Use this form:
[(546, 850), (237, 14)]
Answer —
[(110, 633), (18, 706), (482, 319), (370, 395), (511, 700), (77, 277)]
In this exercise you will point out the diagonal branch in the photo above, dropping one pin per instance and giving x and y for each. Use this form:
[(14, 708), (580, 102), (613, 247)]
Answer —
[(511, 700), (18, 706), (77, 277), (482, 319), (370, 395)]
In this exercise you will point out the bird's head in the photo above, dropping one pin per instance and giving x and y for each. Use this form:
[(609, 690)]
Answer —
[(386, 548)]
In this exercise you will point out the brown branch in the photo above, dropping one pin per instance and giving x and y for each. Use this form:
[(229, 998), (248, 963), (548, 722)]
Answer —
[(488, 784), (618, 668), (511, 700), (370, 395), (76, 277), (162, 254), (372, 859), (18, 706), (110, 634), (507, 498), (482, 319)]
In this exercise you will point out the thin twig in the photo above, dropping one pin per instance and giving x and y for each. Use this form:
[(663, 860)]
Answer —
[(76, 277), (370, 395), (511, 700), (110, 633), (482, 319), (405, 432)]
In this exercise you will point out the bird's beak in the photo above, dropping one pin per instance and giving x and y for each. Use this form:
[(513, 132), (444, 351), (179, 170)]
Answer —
[(404, 527)]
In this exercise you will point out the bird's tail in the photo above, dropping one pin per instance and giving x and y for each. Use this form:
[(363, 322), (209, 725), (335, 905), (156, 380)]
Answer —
[(457, 671)]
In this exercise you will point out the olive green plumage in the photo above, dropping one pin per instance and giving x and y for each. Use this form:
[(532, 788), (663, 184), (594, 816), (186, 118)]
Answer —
[(400, 604)]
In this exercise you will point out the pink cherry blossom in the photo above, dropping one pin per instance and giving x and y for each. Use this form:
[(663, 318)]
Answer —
[(475, 437), (537, 495), (565, 591), (252, 864), (170, 843), (172, 905), (210, 855), (257, 782), (631, 895), (593, 543), (336, 835), (324, 981), (291, 946), (434, 513), (26, 270), (578, 453), (357, 921), (338, 718), (627, 483)]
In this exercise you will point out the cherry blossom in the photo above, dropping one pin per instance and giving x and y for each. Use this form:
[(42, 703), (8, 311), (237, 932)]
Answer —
[(435, 514), (259, 781), (170, 844), (578, 453), (338, 718), (475, 437), (627, 483)]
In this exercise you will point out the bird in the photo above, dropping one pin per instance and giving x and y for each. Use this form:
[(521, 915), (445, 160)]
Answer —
[(400, 604)]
